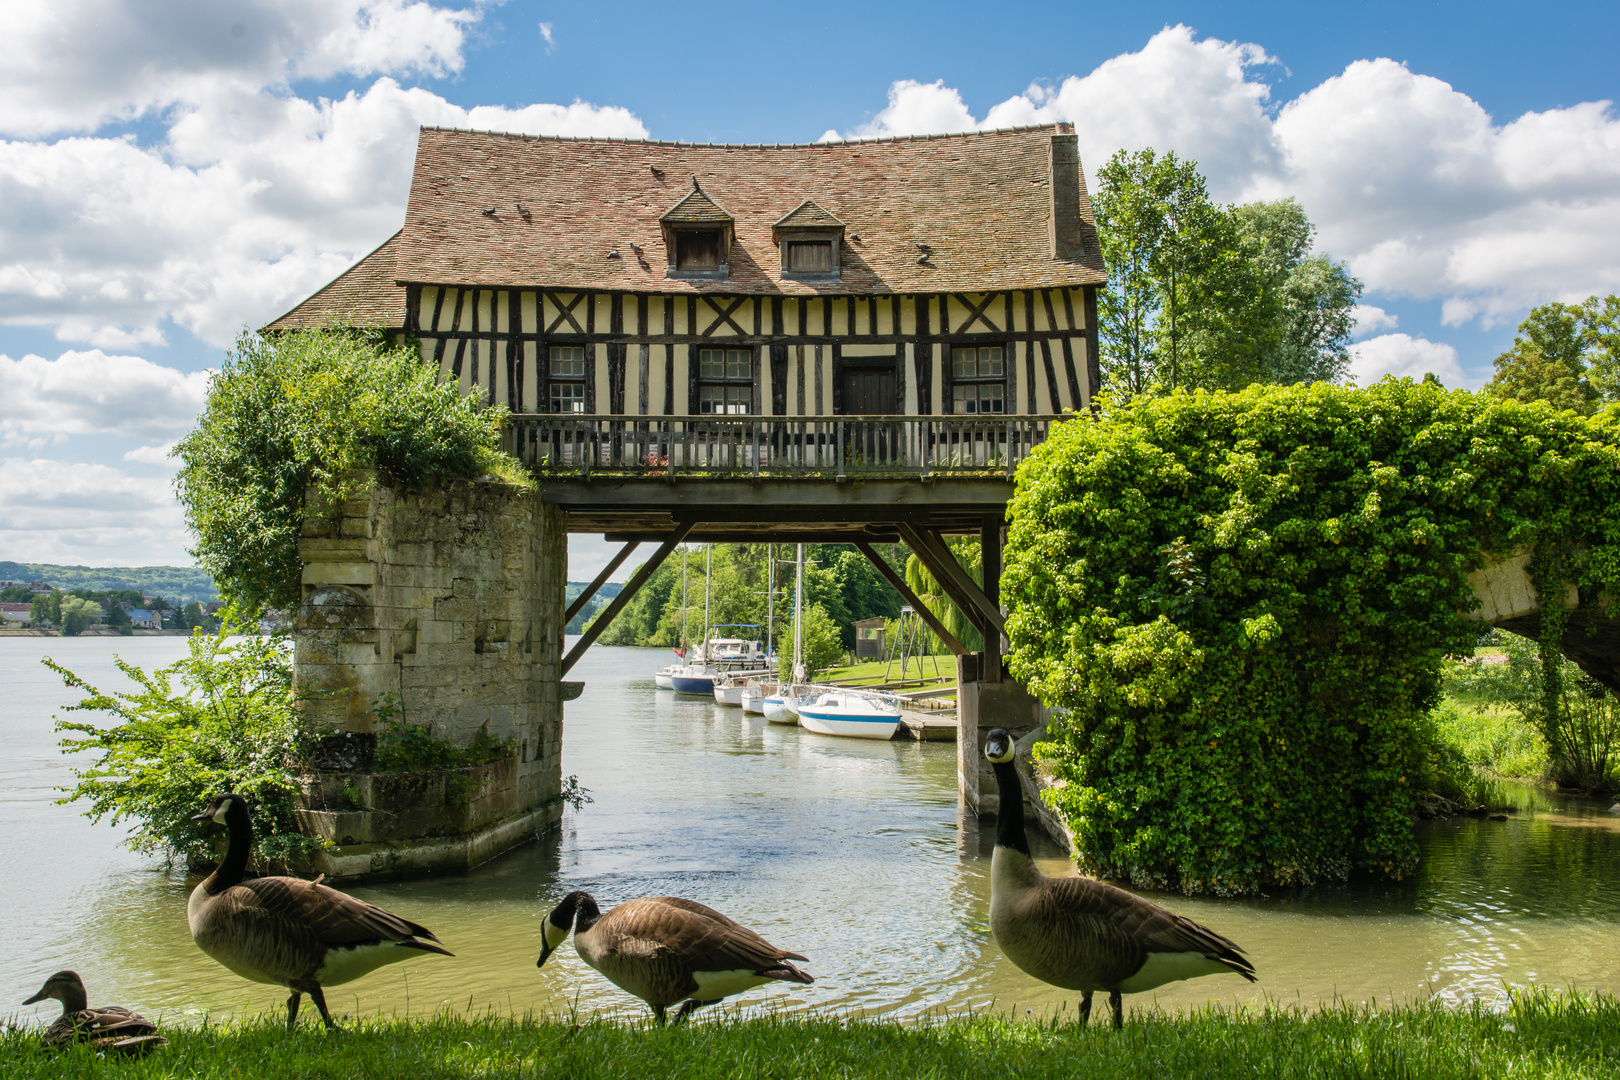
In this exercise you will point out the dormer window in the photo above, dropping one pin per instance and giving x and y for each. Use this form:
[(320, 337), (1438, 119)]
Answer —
[(697, 249), (697, 235), (810, 239)]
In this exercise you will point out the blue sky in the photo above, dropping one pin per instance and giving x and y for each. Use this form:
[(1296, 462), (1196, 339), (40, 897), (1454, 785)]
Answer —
[(171, 173)]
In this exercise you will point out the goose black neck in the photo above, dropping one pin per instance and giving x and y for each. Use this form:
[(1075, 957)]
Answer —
[(237, 848), (1009, 808), (588, 912)]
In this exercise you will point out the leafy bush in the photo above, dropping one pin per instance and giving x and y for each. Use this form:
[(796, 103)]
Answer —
[(1243, 600), (1492, 737), (306, 410), (220, 719), (403, 747), (78, 614), (822, 647), (1581, 735)]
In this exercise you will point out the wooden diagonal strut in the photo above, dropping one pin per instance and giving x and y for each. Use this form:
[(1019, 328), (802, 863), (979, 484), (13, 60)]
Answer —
[(601, 579), (900, 586), (633, 586), (962, 589)]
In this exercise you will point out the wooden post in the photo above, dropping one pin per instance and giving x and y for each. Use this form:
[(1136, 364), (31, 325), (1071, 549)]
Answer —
[(961, 588), (633, 586), (900, 586), (601, 579)]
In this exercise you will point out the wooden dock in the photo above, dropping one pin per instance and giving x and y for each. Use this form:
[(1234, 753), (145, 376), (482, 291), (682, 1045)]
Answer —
[(929, 727)]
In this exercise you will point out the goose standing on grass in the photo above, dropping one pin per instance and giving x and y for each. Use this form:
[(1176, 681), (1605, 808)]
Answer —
[(111, 1027), (289, 932), (1080, 933), (664, 949)]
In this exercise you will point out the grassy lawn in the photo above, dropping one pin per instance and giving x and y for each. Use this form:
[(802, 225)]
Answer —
[(872, 672), (1540, 1035)]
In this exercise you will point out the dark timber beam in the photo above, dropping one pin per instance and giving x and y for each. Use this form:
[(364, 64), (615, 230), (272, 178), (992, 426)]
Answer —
[(601, 579), (900, 586), (633, 586), (961, 588)]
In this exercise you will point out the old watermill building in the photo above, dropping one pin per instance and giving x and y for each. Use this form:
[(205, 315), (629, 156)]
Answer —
[(696, 342)]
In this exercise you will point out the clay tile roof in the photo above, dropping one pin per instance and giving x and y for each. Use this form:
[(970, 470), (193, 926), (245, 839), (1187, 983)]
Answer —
[(807, 215), (982, 202), (363, 295), (696, 207)]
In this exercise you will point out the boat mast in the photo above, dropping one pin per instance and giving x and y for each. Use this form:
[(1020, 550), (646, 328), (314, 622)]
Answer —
[(798, 617), (708, 576), (683, 604), (770, 595)]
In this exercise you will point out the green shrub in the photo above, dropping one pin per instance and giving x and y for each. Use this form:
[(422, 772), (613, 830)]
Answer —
[(822, 647), (220, 719), (1492, 737), (307, 410), (1243, 600)]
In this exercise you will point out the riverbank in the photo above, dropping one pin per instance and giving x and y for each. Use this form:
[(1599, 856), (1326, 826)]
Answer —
[(1539, 1034)]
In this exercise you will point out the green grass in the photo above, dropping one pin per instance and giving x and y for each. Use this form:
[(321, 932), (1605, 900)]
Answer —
[(872, 671), (1493, 737), (1540, 1034)]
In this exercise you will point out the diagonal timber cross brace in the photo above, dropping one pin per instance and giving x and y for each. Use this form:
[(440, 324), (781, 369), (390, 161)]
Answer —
[(962, 589), (601, 579), (900, 586), (633, 586)]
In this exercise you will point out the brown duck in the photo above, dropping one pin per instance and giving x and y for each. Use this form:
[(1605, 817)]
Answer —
[(110, 1027), (1082, 934), (299, 934), (664, 949)]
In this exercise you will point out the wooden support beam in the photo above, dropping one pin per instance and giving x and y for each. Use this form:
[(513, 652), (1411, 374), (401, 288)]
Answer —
[(631, 587), (601, 579), (900, 586), (990, 575), (961, 588)]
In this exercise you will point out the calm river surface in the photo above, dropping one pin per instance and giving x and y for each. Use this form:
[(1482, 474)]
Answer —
[(851, 852)]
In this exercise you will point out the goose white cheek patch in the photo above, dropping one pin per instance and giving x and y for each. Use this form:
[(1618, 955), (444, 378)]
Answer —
[(554, 934)]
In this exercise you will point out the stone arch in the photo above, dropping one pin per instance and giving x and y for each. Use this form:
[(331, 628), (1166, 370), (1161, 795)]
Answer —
[(1509, 600)]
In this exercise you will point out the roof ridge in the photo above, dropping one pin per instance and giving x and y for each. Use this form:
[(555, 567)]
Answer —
[(1019, 129)]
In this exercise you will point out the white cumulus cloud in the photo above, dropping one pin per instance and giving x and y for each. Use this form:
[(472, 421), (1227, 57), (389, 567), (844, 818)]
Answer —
[(1404, 356), (92, 393), (1370, 320), (94, 515), (1415, 184)]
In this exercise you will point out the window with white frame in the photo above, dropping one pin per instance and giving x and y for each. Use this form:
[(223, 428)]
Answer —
[(978, 379), (565, 374), (725, 381)]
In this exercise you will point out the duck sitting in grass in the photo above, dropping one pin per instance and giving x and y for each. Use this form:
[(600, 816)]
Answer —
[(110, 1027)]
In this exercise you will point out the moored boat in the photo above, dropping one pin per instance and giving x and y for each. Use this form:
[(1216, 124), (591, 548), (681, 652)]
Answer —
[(754, 695), (730, 691), (664, 678), (858, 716), (694, 679)]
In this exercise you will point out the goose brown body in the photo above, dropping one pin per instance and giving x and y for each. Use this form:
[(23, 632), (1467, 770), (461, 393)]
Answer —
[(666, 949), (1083, 934), (289, 932), (110, 1027)]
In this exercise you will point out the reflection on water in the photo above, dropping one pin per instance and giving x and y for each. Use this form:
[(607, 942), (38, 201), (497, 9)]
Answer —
[(849, 851)]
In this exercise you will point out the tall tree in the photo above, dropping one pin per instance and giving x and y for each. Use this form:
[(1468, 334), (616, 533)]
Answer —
[(1207, 296), (1564, 354)]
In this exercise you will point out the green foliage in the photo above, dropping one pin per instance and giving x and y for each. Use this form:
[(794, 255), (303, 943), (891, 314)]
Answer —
[(77, 614), (405, 747), (1580, 731), (929, 591), (1201, 295), (180, 582), (1567, 355), (313, 410), (1491, 738), (46, 607), (220, 719), (823, 649), (1243, 601), (1538, 1034)]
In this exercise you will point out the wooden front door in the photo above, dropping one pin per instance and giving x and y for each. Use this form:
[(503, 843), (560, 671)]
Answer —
[(869, 391)]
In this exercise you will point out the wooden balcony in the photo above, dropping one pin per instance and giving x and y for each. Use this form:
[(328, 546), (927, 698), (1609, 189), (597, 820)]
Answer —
[(774, 447)]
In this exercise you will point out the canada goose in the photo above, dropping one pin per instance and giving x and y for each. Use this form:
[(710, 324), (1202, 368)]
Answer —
[(110, 1027), (1080, 933), (285, 931), (664, 949)]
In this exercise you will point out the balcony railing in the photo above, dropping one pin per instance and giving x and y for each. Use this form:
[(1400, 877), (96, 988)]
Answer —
[(584, 444)]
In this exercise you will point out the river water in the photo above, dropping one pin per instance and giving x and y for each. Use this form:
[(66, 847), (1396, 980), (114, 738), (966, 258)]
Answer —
[(851, 852)]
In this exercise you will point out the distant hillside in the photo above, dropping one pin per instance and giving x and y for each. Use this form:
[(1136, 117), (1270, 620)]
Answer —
[(182, 584), (606, 592)]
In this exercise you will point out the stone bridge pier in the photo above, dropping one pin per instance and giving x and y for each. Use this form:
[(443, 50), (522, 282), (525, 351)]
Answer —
[(441, 611), (1508, 600)]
